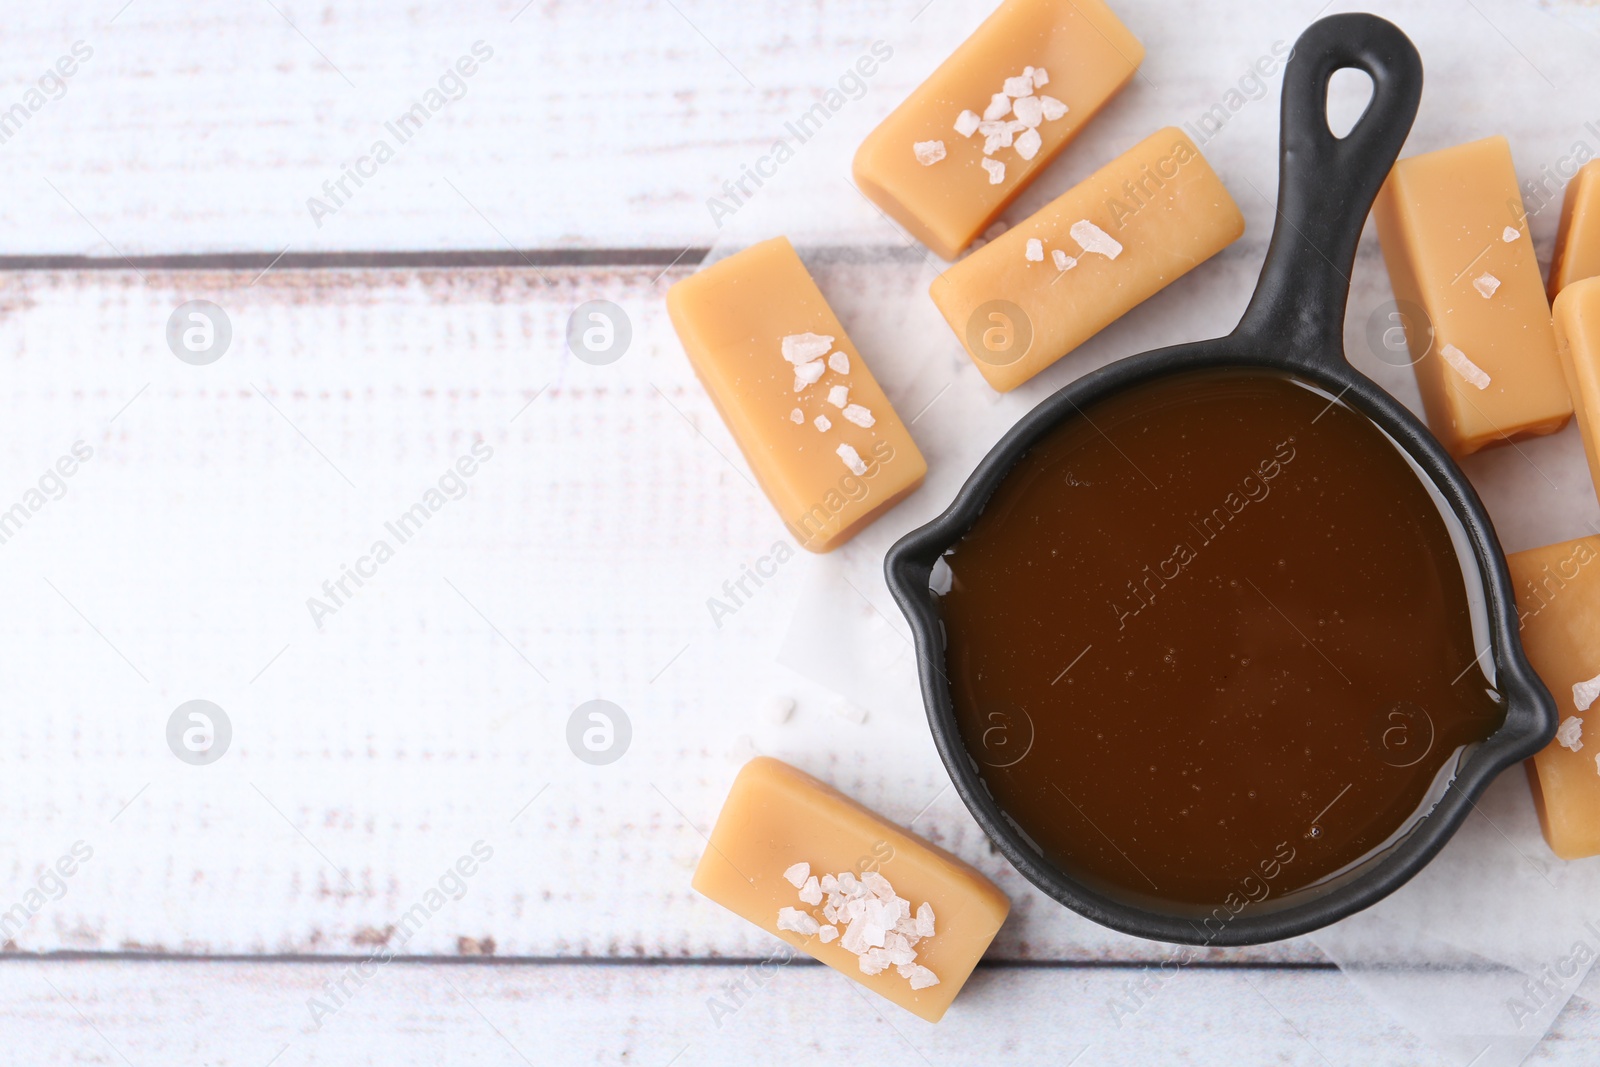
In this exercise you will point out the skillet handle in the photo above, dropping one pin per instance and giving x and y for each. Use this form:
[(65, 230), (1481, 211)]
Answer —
[(1326, 184)]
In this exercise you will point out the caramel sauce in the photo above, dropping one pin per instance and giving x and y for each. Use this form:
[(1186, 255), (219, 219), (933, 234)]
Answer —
[(1213, 633)]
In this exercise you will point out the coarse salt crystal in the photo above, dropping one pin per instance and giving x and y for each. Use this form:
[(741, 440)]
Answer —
[(839, 363), (1052, 108), (1584, 693), (1094, 239), (1040, 78), (843, 708), (811, 892), (877, 885), (1029, 110), (778, 708), (993, 142), (1474, 374), (1028, 144), (925, 920), (823, 423), (851, 941), (1019, 86), (807, 374), (797, 875), (830, 884), (874, 962), (1033, 251), (1486, 284), (1570, 733), (804, 347), (848, 882), (797, 416), (859, 415), (852, 460), (1062, 260), (996, 169), (839, 395), (967, 122), (928, 152), (1509, 234), (921, 978), (826, 934), (796, 921), (999, 107)]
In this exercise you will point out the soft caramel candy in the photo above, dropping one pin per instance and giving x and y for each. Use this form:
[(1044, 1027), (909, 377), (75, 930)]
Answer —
[(817, 431), (949, 159), (1558, 598), (1577, 322), (1577, 254), (1048, 284), (1456, 244), (790, 853)]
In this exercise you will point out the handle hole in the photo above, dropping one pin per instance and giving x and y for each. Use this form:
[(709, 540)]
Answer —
[(1349, 96)]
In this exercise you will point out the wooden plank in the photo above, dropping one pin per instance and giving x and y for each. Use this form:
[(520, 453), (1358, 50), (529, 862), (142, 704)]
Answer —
[(251, 1013), (186, 134), (429, 712)]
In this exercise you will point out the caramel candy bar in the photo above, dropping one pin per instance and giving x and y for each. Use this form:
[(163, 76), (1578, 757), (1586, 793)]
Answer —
[(811, 866), (1577, 254), (1558, 599), (1577, 323), (827, 448), (1456, 244), (1048, 284), (949, 159)]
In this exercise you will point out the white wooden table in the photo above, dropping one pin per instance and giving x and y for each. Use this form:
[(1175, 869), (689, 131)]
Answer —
[(227, 912)]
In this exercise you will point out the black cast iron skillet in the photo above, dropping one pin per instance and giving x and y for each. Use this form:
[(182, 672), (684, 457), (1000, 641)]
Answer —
[(1294, 323)]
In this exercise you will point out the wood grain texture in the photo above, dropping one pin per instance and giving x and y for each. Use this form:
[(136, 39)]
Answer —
[(593, 127), (249, 1014)]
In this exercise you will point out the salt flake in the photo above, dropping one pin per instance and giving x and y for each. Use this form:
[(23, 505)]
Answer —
[(839, 363), (967, 123), (1062, 260), (804, 347), (778, 708), (928, 152), (1033, 251), (807, 374), (797, 875), (996, 169), (1584, 693), (859, 415), (796, 921), (1052, 108), (839, 396), (811, 892), (1509, 234), (1028, 144), (1029, 110), (1040, 78), (823, 423), (1094, 239), (826, 934), (1570, 733), (1475, 376), (797, 416), (852, 460), (1486, 284), (999, 107)]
